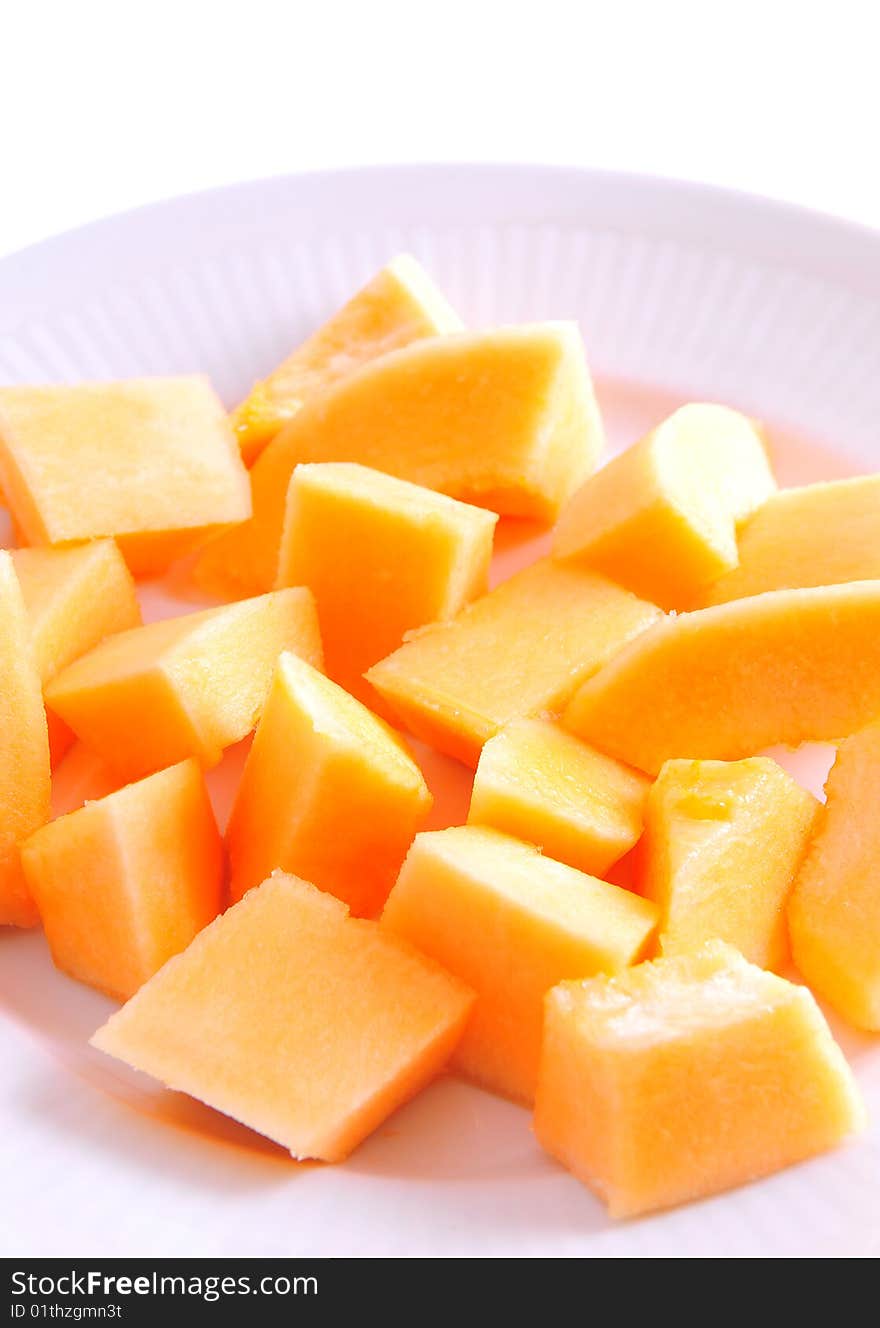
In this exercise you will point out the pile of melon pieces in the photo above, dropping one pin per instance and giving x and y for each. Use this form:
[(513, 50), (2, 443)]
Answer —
[(604, 940)]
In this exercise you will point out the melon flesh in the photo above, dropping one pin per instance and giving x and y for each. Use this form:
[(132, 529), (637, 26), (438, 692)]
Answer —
[(399, 305), (381, 557), (686, 1076), (722, 845), (75, 596), (789, 666), (152, 461), (328, 792), (520, 650), (536, 782), (820, 535), (834, 910), (286, 1014), (504, 419), (186, 686), (24, 749), (510, 923), (661, 517), (125, 882)]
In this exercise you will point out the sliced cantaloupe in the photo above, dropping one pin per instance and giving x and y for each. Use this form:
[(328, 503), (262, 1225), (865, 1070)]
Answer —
[(125, 882), (24, 749), (504, 419), (399, 305), (789, 666), (381, 557), (74, 596), (536, 782), (510, 923), (328, 792), (661, 517), (187, 686), (834, 909), (820, 535), (518, 651), (722, 845), (295, 1019), (152, 461), (683, 1077)]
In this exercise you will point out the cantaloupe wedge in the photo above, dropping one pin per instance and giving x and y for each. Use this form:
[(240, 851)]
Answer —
[(295, 1019), (722, 845), (504, 419), (676, 1079), (510, 923), (820, 535), (75, 596), (381, 557), (399, 305), (127, 881), (661, 517), (520, 650), (24, 749), (328, 792), (834, 910), (789, 666), (187, 686), (152, 461), (536, 782)]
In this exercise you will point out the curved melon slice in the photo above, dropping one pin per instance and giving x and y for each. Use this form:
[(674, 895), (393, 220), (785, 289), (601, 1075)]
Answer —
[(401, 304), (504, 419), (820, 535), (661, 517), (787, 667)]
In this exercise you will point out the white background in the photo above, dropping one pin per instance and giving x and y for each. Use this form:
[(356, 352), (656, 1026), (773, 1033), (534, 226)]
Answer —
[(105, 106)]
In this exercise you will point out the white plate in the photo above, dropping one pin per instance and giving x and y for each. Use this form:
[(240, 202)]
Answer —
[(682, 291)]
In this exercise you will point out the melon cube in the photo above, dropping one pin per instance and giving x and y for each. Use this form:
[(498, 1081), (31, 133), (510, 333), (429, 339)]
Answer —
[(24, 749), (505, 419), (723, 842), (127, 881), (521, 650), (511, 924), (536, 782), (328, 793), (295, 1019), (661, 517), (381, 556), (686, 1076), (187, 686), (152, 461), (399, 305), (834, 909)]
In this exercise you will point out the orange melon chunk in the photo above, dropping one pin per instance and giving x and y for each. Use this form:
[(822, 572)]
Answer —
[(789, 666), (74, 596), (125, 882), (152, 461), (510, 923), (680, 1078), (536, 782), (187, 686), (381, 557), (518, 651), (820, 535), (723, 842), (504, 419), (401, 304), (328, 792), (834, 909), (24, 749), (334, 1026), (661, 517)]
